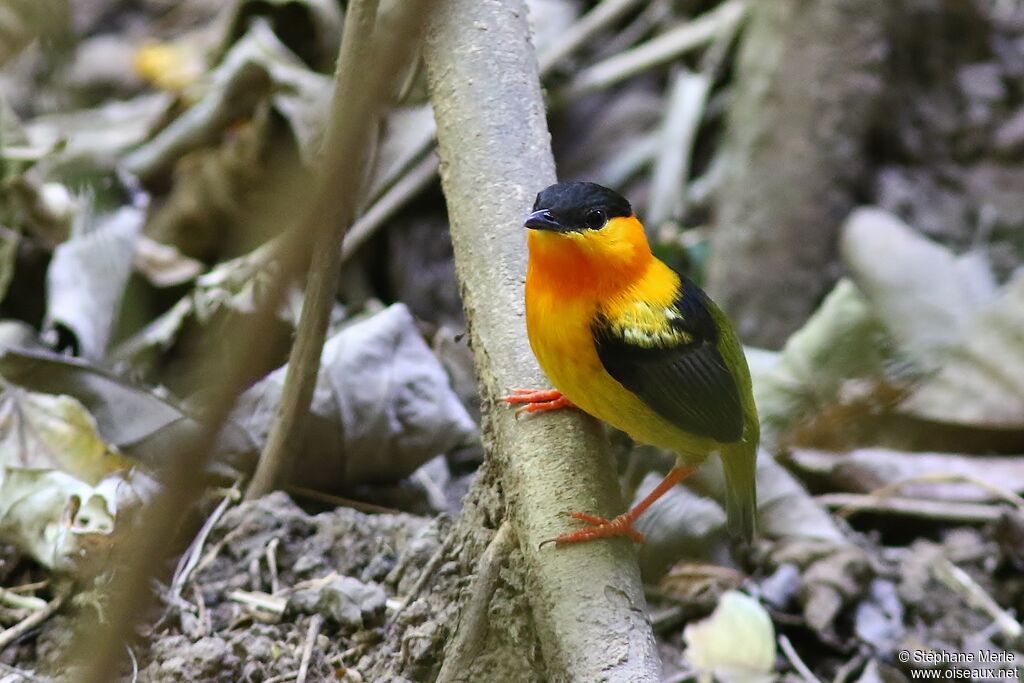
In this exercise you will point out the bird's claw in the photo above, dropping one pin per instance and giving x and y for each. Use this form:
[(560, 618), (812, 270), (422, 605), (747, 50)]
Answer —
[(536, 400), (599, 527)]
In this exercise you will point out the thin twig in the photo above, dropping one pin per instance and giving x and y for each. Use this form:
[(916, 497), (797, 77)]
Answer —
[(191, 557), (307, 650), (951, 478), (28, 587), (272, 564), (424, 577), (417, 179), (580, 33), (655, 52), (687, 97), (33, 620), (962, 584), (135, 663), (469, 635), (327, 223), (259, 600), (639, 27), (11, 599), (968, 513), (281, 678), (794, 659), (339, 501)]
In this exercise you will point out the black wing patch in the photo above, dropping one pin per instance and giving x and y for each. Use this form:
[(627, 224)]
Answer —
[(677, 370)]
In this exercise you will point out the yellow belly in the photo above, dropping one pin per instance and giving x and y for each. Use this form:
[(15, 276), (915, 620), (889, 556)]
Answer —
[(561, 338)]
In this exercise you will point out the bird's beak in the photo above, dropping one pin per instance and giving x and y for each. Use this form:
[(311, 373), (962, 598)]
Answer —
[(542, 220)]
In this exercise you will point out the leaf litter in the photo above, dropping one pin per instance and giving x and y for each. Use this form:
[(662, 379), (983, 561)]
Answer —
[(905, 387)]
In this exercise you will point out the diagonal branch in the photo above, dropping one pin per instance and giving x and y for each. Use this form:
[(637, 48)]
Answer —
[(327, 223), (587, 601)]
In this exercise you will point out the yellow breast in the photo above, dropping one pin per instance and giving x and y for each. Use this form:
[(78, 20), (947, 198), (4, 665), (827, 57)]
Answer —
[(559, 328)]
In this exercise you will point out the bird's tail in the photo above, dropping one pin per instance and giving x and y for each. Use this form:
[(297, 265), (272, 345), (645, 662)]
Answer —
[(739, 461)]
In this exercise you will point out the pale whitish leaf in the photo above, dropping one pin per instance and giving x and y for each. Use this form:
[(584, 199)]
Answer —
[(842, 340), (147, 427), (921, 291), (60, 483), (101, 132), (382, 407), (736, 644), (43, 432), (163, 265), (981, 382), (56, 518), (86, 280)]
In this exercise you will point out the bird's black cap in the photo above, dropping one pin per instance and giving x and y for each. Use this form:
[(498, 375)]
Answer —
[(573, 207)]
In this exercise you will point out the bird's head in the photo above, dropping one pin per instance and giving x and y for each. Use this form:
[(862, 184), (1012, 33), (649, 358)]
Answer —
[(586, 234)]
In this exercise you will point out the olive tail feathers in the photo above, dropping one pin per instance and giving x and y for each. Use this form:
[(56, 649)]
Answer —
[(739, 461)]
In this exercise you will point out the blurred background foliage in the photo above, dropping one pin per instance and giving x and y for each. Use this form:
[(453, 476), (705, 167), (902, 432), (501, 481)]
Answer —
[(846, 177)]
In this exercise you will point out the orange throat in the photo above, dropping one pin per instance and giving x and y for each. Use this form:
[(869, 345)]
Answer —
[(592, 264)]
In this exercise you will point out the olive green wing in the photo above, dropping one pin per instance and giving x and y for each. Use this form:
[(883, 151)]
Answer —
[(668, 356)]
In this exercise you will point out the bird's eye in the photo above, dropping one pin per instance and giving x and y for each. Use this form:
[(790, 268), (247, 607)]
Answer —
[(596, 219)]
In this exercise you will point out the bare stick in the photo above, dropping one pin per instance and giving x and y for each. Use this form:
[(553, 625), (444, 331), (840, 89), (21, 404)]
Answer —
[(275, 586), (327, 223), (591, 24), (191, 557), (339, 501), (469, 636), (794, 659), (969, 513), (12, 634), (307, 650), (962, 584), (411, 184), (951, 477), (686, 100), (259, 600), (10, 598), (655, 52)]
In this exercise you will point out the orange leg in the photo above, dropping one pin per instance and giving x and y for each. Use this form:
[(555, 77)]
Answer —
[(623, 524), (537, 400)]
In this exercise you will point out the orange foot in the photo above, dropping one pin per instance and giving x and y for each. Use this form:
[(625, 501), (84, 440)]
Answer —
[(601, 528), (623, 524), (537, 400)]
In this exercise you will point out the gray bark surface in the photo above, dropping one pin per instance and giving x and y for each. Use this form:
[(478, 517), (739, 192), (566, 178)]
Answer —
[(808, 80), (586, 603)]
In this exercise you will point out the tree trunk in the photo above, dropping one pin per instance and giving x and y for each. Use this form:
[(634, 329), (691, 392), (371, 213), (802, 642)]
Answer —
[(808, 80), (497, 601)]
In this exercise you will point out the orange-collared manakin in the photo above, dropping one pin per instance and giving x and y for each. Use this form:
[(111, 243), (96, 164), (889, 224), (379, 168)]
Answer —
[(628, 340)]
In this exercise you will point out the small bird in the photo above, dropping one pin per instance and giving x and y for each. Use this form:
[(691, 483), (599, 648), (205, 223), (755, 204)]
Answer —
[(628, 340)]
